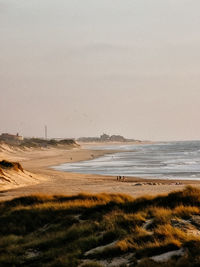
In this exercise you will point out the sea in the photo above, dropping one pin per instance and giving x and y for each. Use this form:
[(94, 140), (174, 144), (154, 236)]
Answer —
[(165, 160)]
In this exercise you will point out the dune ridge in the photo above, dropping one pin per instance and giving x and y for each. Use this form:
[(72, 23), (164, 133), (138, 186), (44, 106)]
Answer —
[(13, 175)]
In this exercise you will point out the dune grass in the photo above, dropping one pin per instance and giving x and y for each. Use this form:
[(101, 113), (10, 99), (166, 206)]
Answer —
[(5, 164), (42, 230), (39, 142)]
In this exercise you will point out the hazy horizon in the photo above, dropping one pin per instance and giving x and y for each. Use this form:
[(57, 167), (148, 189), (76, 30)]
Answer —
[(87, 67)]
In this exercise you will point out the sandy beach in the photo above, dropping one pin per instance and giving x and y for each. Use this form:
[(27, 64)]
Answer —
[(39, 162)]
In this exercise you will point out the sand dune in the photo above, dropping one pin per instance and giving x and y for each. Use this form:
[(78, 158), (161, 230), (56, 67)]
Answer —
[(12, 175)]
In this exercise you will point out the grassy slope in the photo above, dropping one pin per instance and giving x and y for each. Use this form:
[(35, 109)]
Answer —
[(58, 230), (37, 142)]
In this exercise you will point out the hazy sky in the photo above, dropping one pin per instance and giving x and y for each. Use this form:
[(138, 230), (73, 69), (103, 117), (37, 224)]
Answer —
[(84, 67)]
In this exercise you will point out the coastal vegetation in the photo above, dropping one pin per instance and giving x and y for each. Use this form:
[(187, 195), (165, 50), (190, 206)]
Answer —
[(101, 230), (37, 143), (5, 164)]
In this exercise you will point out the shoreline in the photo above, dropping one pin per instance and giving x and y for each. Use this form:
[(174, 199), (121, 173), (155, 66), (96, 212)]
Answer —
[(39, 162)]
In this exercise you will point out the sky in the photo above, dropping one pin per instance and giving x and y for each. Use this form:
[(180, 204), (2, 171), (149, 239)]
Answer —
[(129, 67)]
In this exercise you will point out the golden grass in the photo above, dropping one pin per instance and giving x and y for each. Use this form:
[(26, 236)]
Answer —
[(160, 215), (125, 245), (168, 231), (63, 228), (42, 202), (185, 211)]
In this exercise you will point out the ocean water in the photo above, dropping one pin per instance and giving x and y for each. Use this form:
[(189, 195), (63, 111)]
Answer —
[(168, 160)]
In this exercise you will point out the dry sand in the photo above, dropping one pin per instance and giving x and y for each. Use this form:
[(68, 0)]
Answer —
[(49, 181)]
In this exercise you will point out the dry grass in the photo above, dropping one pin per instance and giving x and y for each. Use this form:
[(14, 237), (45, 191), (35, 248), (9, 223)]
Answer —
[(59, 230), (186, 211), (160, 215), (38, 142), (168, 231), (5, 164)]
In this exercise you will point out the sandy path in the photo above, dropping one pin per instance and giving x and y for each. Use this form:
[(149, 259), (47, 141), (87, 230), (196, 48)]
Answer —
[(57, 182)]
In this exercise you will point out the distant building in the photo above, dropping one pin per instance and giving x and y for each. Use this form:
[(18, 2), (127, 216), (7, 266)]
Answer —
[(11, 137), (104, 137), (117, 138)]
